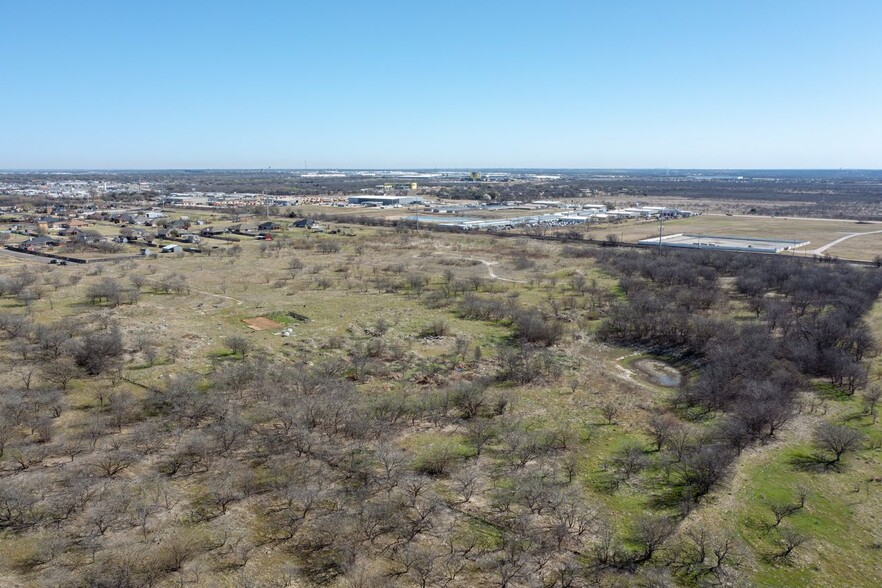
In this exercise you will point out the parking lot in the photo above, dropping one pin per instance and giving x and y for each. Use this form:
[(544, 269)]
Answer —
[(725, 243)]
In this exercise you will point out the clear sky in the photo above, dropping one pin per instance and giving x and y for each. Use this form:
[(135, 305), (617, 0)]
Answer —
[(444, 83)]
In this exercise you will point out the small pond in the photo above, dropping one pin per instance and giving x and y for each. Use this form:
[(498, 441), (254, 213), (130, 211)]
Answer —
[(659, 373)]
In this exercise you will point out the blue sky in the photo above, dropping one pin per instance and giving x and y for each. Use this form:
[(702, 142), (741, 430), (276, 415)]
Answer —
[(396, 84)]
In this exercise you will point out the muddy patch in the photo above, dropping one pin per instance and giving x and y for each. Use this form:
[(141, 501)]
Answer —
[(658, 372)]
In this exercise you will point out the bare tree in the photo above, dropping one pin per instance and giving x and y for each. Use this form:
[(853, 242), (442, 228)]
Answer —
[(649, 533), (703, 557), (790, 539), (25, 372), (835, 439), (112, 461), (7, 431), (466, 482), (99, 352), (238, 344), (870, 400), (106, 511), (609, 411), (480, 432), (60, 372), (629, 460), (138, 281), (662, 427), (122, 408), (781, 509)]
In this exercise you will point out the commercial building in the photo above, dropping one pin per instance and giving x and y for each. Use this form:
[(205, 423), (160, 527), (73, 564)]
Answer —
[(384, 200)]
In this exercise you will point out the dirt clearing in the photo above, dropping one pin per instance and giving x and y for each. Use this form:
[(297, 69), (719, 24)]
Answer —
[(261, 323)]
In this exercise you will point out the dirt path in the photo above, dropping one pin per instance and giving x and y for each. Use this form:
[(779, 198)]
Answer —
[(628, 375), (488, 264), (236, 300), (824, 248), (808, 218)]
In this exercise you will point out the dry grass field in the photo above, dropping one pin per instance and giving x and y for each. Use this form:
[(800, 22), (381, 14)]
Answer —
[(819, 232)]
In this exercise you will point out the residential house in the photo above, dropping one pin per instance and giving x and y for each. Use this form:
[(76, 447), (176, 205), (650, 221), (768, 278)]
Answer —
[(269, 226), (303, 223), (212, 231), (136, 233), (41, 242), (177, 224), (244, 229), (88, 237), (49, 222)]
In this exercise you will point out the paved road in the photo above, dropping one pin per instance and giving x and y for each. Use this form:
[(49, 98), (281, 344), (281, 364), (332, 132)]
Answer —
[(824, 248), (806, 218), (25, 256), (42, 259)]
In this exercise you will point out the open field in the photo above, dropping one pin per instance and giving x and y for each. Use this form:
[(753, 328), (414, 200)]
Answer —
[(819, 232), (382, 309), (860, 247)]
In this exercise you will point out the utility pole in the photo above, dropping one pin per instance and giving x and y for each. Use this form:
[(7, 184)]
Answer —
[(661, 224)]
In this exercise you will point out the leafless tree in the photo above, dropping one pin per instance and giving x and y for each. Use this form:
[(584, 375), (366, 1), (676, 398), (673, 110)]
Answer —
[(789, 541), (650, 532), (7, 431), (112, 461), (122, 407), (100, 351), (147, 437), (238, 344), (609, 411), (701, 555), (782, 509), (60, 372), (25, 372), (629, 460), (870, 400), (466, 482), (138, 281), (835, 439), (662, 427), (679, 441)]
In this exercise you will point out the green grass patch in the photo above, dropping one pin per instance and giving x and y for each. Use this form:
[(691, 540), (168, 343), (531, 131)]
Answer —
[(626, 499), (438, 453), (829, 519), (830, 391)]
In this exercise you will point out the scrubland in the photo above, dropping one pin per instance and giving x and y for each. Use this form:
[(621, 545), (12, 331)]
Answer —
[(448, 410)]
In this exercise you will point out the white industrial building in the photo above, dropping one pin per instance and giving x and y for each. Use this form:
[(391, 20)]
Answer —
[(384, 200)]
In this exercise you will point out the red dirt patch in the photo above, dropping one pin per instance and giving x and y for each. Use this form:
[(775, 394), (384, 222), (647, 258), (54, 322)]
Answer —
[(261, 323)]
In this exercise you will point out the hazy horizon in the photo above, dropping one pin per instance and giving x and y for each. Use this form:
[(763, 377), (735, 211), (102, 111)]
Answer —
[(393, 169)]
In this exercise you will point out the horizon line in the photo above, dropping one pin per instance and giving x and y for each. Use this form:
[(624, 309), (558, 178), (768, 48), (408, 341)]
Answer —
[(426, 169)]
